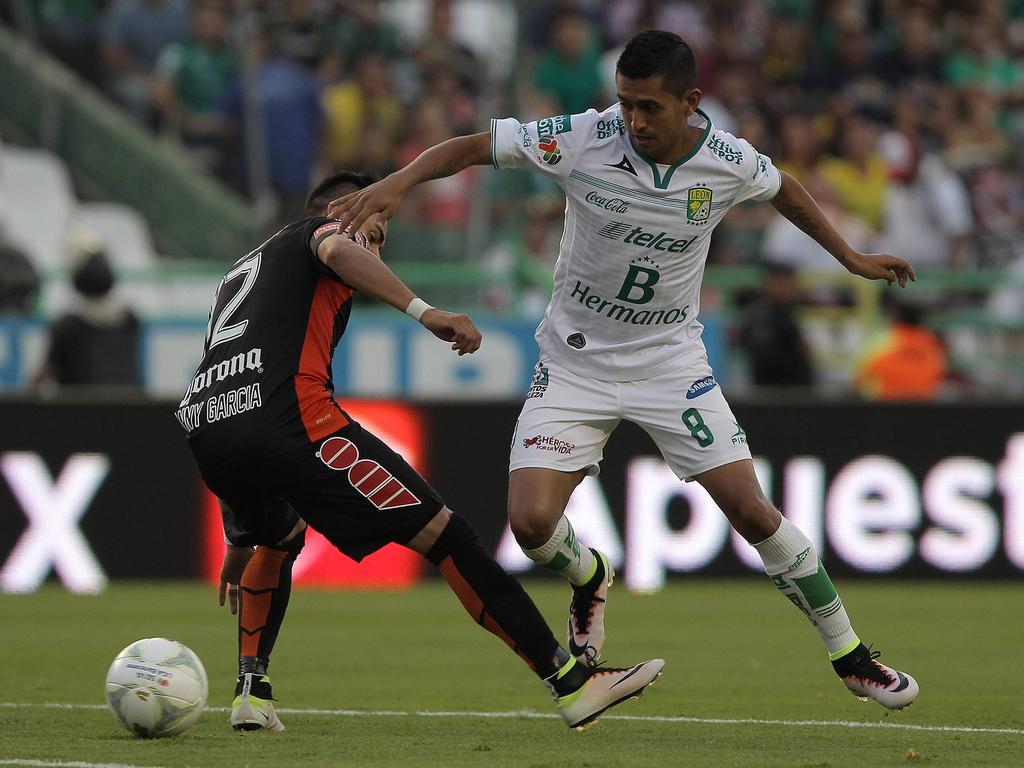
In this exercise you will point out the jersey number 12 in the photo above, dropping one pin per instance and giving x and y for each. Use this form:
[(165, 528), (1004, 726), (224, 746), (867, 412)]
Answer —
[(218, 331)]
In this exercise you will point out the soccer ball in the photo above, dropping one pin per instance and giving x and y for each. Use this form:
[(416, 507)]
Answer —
[(157, 687)]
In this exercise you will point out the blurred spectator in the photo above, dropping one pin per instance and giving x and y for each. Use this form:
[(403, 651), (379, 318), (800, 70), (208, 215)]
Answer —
[(439, 51), (845, 51), (770, 334), (982, 61), (134, 34), (977, 138), (857, 173), (785, 49), (70, 30), (19, 281), (192, 77), (569, 70), (521, 266), (352, 105), (927, 212), (982, 153), (906, 362), (299, 29), (786, 245), (801, 146), (446, 202), (914, 55), (1006, 303), (290, 120), (97, 342), (360, 29)]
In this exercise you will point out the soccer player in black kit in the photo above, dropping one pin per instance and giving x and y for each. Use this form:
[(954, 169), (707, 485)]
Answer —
[(279, 452)]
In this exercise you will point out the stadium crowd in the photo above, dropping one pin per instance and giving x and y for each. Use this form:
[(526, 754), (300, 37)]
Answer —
[(902, 117)]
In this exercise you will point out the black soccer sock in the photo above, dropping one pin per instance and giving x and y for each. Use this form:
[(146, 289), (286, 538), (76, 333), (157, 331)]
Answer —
[(493, 598), (263, 594)]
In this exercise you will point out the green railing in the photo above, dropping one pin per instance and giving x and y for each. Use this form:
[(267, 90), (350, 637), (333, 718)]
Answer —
[(112, 157)]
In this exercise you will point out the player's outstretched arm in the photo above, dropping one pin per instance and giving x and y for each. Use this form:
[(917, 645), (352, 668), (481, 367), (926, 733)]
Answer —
[(384, 197), (794, 202), (363, 270)]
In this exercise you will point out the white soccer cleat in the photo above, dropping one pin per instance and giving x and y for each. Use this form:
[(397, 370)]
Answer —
[(586, 615), (604, 689), (253, 707), (889, 687)]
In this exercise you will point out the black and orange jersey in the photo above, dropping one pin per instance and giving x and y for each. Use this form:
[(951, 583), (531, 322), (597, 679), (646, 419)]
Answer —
[(264, 384)]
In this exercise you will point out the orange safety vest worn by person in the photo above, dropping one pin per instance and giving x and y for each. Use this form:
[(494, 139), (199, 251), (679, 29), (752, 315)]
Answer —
[(908, 363)]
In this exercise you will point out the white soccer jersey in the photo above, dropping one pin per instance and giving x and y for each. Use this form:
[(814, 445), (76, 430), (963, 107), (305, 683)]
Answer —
[(631, 261)]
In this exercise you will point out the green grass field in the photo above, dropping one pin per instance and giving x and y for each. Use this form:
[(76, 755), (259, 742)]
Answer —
[(411, 669)]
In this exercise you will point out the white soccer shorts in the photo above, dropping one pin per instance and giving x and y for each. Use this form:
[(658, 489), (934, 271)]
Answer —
[(567, 419)]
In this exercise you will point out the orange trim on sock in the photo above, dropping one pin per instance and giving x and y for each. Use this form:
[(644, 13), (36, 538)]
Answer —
[(259, 580), (475, 606)]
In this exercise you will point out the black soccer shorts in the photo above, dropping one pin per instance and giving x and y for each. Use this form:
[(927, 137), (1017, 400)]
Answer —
[(350, 487)]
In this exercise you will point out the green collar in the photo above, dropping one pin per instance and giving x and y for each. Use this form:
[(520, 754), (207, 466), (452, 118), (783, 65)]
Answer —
[(661, 183)]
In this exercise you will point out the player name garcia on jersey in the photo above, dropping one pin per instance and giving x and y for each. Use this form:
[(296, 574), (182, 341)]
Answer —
[(626, 295), (225, 404)]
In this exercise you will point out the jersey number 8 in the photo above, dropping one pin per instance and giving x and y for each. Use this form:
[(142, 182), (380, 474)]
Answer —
[(698, 429)]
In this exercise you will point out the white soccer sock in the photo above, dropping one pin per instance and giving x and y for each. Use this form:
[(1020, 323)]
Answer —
[(792, 563), (564, 555)]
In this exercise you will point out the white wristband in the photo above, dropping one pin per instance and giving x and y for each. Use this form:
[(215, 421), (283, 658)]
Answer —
[(416, 309)]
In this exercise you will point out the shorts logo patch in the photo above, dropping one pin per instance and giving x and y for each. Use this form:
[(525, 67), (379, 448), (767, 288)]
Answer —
[(701, 386), (539, 385), (367, 476), (546, 443)]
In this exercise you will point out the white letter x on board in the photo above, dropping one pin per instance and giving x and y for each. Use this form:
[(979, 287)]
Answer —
[(53, 509)]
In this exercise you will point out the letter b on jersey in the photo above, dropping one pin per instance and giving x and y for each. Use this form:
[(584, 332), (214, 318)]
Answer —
[(636, 288)]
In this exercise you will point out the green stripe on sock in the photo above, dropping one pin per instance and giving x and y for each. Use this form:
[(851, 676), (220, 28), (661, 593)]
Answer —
[(817, 588), (558, 563), (843, 651), (824, 613)]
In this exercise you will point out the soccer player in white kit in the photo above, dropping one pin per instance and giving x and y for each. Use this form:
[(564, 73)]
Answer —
[(645, 181)]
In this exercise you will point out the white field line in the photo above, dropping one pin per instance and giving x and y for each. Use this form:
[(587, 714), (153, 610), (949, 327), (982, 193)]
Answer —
[(68, 764), (882, 724)]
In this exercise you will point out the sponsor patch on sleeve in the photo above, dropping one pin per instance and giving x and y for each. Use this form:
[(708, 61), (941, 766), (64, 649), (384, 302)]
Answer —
[(330, 228)]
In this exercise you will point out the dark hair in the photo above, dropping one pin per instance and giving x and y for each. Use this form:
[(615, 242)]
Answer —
[(333, 187), (93, 277), (656, 52)]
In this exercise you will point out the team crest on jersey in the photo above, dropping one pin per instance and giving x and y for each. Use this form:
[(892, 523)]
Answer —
[(367, 476), (548, 151), (698, 204)]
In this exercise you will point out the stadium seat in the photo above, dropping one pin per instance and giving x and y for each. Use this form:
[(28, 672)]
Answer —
[(38, 201), (124, 231)]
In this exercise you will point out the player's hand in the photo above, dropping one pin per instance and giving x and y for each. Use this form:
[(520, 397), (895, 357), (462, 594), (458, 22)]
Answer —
[(456, 328), (383, 197), (235, 560), (881, 266)]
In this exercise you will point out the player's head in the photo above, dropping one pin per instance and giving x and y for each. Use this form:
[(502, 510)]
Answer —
[(334, 186), (656, 83), (338, 185)]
